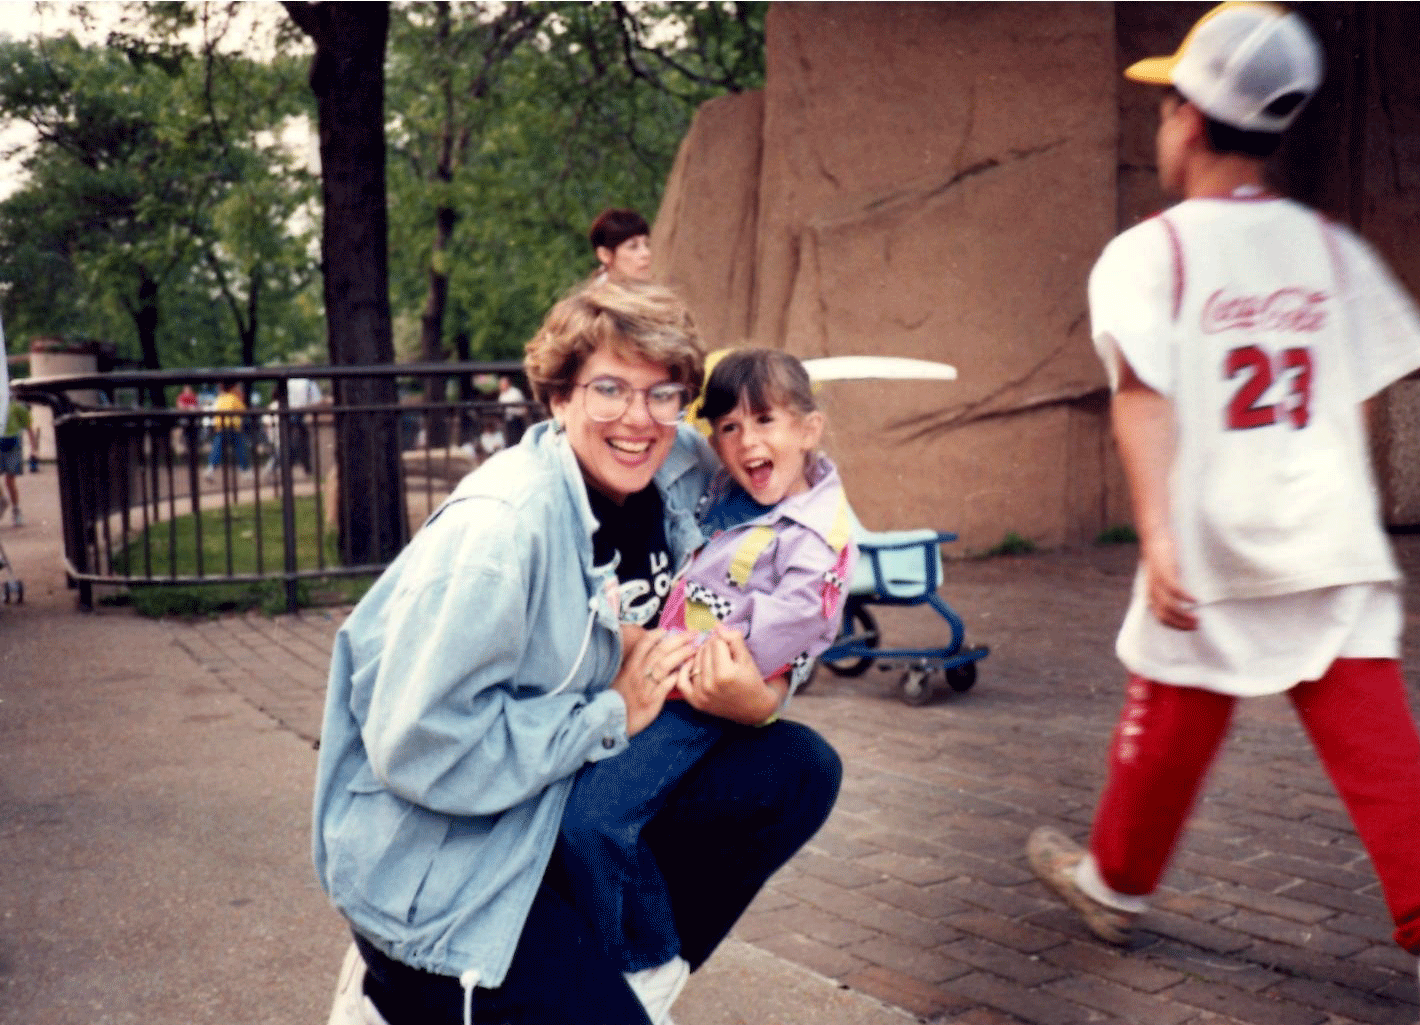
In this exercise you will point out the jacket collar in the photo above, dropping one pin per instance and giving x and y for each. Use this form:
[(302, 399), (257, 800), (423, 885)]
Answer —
[(818, 509)]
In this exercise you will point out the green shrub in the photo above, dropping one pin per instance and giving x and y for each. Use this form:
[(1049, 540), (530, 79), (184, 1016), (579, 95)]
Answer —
[(1120, 534), (1012, 544)]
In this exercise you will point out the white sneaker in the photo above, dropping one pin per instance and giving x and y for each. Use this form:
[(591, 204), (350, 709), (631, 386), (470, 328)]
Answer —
[(657, 988), (352, 1006)]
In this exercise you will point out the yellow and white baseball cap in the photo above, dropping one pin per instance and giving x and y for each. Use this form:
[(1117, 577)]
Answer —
[(1249, 65)]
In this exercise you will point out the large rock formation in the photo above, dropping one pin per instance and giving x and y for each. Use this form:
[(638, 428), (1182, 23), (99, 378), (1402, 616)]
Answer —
[(932, 180), (936, 180)]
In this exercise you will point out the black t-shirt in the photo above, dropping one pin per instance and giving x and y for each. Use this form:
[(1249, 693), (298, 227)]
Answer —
[(636, 530)]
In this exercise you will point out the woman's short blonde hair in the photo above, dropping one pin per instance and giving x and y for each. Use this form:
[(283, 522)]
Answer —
[(635, 320)]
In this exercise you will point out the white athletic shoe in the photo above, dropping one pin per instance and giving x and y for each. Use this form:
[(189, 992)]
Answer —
[(352, 1006), (657, 988)]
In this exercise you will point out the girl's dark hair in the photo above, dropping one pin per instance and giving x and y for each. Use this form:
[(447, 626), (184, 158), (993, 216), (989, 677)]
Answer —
[(613, 227), (764, 378)]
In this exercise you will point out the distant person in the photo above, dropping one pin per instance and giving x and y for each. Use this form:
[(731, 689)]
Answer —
[(12, 456), (185, 430), (1242, 334), (621, 240), (515, 417), (491, 440), (227, 428), (301, 394)]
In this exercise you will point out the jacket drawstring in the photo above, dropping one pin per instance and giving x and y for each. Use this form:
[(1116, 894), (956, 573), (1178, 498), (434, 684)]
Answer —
[(468, 980), (582, 653)]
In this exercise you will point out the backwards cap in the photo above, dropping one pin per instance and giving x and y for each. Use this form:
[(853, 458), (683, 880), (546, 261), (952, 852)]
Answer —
[(1237, 61)]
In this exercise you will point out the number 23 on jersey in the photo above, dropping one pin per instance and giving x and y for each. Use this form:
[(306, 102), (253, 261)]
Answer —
[(1271, 387)]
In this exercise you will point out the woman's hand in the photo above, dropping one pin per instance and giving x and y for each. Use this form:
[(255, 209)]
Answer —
[(722, 680), (649, 669)]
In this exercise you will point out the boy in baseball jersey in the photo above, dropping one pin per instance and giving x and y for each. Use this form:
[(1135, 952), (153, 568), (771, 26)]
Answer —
[(1242, 335)]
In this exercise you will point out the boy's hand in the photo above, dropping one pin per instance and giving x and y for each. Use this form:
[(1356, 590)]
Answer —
[(1171, 604), (1144, 427)]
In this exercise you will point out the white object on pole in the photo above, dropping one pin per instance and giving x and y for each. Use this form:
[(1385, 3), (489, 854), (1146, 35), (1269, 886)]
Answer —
[(896, 368)]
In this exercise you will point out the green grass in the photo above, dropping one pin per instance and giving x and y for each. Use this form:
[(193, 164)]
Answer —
[(172, 549)]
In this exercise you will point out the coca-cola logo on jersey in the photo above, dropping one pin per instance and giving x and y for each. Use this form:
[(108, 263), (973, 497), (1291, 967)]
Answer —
[(1287, 309)]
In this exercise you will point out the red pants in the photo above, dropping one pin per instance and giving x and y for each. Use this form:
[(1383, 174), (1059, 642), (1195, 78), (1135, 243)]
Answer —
[(1361, 727)]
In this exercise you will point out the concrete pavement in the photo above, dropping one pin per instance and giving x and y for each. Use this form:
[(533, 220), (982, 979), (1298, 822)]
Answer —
[(154, 832)]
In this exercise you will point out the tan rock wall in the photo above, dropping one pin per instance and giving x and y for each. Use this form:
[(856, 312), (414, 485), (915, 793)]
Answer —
[(703, 241), (923, 191)]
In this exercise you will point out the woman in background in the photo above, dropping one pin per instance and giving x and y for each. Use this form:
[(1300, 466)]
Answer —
[(622, 241)]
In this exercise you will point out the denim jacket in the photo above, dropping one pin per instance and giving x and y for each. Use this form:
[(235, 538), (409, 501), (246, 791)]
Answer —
[(466, 689)]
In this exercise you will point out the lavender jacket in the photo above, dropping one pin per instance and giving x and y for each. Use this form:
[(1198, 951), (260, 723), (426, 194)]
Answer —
[(779, 579)]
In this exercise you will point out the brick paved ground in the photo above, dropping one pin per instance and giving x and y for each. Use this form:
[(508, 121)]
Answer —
[(918, 892)]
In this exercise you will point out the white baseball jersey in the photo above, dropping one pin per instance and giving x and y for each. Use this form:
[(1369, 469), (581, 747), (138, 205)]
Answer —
[(1266, 327)]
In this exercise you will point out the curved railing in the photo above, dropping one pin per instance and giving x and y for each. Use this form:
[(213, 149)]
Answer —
[(145, 502)]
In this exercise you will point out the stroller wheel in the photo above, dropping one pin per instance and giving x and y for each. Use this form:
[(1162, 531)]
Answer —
[(962, 678), (915, 687), (865, 632)]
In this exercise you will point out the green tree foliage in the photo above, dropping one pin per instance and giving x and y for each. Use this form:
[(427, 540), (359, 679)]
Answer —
[(161, 208), (585, 112), (155, 194)]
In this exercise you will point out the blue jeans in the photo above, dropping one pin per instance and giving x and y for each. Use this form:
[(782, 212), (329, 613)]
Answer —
[(614, 878), (740, 812), (231, 439)]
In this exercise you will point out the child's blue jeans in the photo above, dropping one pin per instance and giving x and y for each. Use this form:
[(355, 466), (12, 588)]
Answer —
[(614, 878)]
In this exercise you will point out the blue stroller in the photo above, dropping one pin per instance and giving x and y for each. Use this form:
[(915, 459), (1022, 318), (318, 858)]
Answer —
[(901, 567)]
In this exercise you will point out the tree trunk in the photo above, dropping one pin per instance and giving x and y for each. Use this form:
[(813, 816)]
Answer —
[(347, 77), (431, 324), (145, 322), (247, 326), (431, 333), (469, 428)]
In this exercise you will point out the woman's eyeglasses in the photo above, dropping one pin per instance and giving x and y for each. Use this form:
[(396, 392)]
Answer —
[(608, 398)]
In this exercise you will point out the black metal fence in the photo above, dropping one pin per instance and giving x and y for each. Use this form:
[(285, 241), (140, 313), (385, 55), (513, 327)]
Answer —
[(163, 496)]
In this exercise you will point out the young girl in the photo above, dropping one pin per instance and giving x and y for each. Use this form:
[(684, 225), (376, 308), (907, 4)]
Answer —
[(777, 559)]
